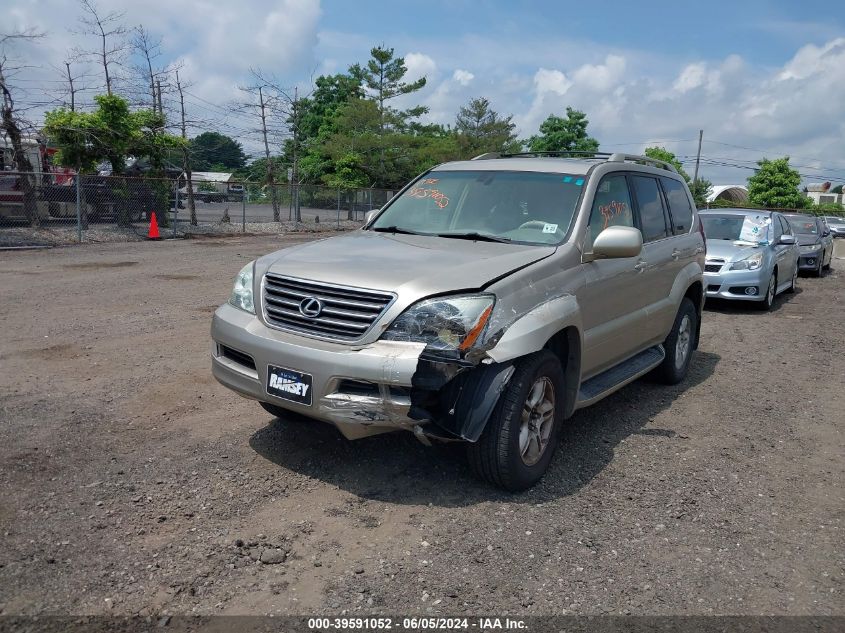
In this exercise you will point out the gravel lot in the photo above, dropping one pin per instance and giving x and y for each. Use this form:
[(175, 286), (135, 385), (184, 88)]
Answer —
[(131, 483)]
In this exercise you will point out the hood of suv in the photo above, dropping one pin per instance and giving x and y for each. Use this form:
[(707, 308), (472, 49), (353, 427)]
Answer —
[(727, 250), (384, 261), (806, 239)]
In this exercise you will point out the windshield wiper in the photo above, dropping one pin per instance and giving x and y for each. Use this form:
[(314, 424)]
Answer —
[(394, 229), (478, 237)]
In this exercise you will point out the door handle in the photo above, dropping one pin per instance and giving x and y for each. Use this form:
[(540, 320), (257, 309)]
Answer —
[(676, 253), (640, 266)]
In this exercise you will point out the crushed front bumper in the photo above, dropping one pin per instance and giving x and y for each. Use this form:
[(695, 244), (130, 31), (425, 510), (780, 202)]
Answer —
[(363, 390), (734, 284)]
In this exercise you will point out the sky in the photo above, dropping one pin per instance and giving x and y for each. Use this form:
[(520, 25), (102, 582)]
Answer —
[(759, 78)]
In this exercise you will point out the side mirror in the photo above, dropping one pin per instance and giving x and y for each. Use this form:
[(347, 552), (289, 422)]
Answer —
[(826, 233), (618, 241), (786, 239), (369, 215)]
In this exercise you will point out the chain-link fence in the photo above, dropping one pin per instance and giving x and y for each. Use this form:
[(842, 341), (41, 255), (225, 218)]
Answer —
[(63, 208)]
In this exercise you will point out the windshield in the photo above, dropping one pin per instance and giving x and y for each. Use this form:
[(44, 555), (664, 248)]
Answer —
[(519, 206), (835, 220), (803, 224), (736, 228)]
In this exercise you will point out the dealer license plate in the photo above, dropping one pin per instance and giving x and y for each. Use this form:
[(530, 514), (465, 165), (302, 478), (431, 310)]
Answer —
[(289, 384)]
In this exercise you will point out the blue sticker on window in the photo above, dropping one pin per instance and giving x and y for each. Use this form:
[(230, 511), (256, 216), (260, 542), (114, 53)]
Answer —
[(567, 179), (579, 182)]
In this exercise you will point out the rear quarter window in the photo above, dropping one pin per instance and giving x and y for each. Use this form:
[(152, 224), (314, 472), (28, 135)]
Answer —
[(679, 205)]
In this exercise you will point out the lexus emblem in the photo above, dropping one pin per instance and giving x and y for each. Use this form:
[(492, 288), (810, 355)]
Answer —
[(310, 307)]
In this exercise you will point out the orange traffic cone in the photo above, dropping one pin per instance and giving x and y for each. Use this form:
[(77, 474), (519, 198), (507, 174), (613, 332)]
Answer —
[(153, 234)]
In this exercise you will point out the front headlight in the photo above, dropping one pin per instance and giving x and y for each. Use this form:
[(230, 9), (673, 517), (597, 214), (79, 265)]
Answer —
[(446, 323), (241, 296), (810, 248), (752, 262)]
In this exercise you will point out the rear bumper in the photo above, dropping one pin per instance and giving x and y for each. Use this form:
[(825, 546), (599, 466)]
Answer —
[(363, 390), (733, 284)]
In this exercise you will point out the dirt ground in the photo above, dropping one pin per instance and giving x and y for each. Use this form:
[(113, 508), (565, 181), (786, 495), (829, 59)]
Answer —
[(132, 483)]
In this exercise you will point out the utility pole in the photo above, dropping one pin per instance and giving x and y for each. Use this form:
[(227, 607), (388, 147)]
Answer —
[(72, 91), (267, 155), (295, 111), (697, 159), (186, 162)]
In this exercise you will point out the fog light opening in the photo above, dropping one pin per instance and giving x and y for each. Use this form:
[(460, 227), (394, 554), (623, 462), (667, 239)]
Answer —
[(751, 290), (811, 261)]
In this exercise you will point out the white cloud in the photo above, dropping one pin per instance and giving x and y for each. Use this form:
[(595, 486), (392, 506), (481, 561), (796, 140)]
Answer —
[(812, 60), (419, 65), (601, 77), (546, 80), (463, 77)]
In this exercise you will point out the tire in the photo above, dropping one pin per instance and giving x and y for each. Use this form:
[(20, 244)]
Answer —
[(678, 345), (794, 283), (510, 453), (769, 298), (819, 271), (272, 409)]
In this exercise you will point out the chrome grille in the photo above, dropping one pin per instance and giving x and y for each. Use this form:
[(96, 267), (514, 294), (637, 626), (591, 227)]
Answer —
[(347, 313)]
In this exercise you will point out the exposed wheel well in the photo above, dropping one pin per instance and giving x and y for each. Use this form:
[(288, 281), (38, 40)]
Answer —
[(566, 345), (695, 293)]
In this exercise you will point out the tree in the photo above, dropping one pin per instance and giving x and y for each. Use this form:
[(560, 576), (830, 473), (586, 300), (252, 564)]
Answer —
[(211, 148), (12, 126), (383, 76), (109, 30), (836, 189), (775, 185), (564, 134), (481, 129), (700, 189), (109, 133)]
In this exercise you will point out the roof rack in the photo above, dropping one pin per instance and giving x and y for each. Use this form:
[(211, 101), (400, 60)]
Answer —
[(616, 157)]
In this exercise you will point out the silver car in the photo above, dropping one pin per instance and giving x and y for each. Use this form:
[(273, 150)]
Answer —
[(814, 240), (752, 255), (836, 224), (485, 303)]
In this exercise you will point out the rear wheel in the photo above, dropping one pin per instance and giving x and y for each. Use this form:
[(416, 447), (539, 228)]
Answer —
[(678, 345), (521, 436)]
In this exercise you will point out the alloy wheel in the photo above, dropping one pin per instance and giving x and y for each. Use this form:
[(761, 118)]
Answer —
[(538, 416), (682, 343)]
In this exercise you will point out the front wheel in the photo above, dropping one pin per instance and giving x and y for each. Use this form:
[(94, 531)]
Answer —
[(678, 345), (794, 284), (521, 436), (769, 299)]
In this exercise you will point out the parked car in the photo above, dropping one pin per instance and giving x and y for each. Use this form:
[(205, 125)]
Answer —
[(752, 255), (836, 224), (485, 303), (815, 240)]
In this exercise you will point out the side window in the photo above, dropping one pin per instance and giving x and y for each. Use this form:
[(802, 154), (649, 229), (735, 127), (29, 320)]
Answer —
[(679, 206), (611, 207), (650, 204), (777, 230)]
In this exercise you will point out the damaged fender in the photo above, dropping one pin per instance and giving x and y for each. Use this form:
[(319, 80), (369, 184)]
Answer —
[(533, 330)]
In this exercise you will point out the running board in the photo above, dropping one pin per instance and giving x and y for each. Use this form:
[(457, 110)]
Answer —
[(617, 377)]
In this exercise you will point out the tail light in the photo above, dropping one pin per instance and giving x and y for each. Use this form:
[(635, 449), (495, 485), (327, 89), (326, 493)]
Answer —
[(703, 236)]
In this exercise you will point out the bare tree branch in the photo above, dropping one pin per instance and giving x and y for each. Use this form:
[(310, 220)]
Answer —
[(109, 30)]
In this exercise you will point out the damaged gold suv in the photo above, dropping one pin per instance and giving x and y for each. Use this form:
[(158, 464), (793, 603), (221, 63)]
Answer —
[(486, 302)]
